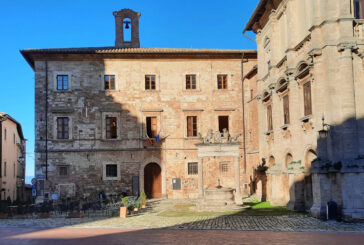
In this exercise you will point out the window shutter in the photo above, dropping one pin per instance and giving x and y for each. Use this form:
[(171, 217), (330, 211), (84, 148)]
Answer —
[(269, 117), (189, 126), (307, 98), (286, 109), (154, 127)]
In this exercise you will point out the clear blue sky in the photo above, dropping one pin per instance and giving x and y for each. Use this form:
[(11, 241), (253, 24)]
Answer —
[(90, 23)]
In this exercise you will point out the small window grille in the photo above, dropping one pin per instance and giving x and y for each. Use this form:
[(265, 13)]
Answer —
[(192, 168)]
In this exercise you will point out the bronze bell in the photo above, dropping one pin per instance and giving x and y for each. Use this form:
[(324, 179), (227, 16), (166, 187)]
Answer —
[(127, 24)]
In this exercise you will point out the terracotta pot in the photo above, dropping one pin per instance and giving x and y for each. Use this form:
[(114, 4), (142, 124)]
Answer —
[(143, 206), (123, 212), (75, 214)]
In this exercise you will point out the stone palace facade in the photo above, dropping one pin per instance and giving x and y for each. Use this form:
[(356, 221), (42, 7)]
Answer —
[(124, 119), (310, 110)]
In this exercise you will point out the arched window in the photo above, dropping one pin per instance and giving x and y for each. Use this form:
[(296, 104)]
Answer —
[(271, 161), (289, 159), (310, 156)]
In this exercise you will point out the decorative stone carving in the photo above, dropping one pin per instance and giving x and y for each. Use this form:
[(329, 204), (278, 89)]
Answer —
[(218, 137)]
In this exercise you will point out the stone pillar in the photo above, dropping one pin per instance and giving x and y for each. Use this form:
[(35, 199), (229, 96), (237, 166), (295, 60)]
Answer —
[(238, 198), (200, 178), (346, 129)]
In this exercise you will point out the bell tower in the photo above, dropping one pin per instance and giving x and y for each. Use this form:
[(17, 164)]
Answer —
[(126, 19)]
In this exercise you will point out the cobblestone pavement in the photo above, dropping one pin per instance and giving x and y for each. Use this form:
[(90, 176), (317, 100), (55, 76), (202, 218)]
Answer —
[(153, 219)]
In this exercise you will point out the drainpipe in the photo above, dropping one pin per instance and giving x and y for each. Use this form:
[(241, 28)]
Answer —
[(242, 82), (46, 121)]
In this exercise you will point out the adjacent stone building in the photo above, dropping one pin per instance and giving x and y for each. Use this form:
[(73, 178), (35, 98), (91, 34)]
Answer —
[(311, 114), (125, 119), (12, 159)]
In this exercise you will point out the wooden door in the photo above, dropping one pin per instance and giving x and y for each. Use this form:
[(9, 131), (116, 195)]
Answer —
[(153, 181)]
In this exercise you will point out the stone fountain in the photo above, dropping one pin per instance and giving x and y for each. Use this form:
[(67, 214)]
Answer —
[(219, 195)]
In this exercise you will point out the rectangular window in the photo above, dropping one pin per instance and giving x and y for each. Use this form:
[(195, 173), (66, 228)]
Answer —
[(286, 109), (62, 82), (223, 123), (14, 170), (4, 133), (224, 167), (269, 118), (109, 82), (190, 81), (191, 126), (111, 128), (307, 98), (251, 94), (192, 168), (149, 82), (222, 81), (62, 128), (5, 169), (14, 138), (111, 170), (152, 127), (63, 171), (359, 9)]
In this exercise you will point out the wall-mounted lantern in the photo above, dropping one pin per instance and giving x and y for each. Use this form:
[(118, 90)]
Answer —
[(325, 131)]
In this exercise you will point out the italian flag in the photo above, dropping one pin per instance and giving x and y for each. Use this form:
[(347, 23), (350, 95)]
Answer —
[(149, 140)]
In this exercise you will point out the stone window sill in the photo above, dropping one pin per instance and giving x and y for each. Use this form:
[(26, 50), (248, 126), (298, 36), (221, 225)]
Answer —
[(306, 118), (268, 132), (285, 126), (192, 138)]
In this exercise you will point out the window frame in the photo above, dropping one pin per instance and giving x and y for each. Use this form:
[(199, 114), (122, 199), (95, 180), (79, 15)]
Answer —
[(151, 127), (60, 167), (219, 119), (222, 82), (64, 132), (106, 178), (148, 82), (113, 171), (111, 132), (191, 126), (63, 87), (269, 109), (286, 112), (190, 82), (55, 79), (358, 9), (307, 98), (192, 168), (110, 82)]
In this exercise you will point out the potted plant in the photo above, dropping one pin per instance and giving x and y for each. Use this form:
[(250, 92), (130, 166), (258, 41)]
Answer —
[(131, 208), (123, 209), (136, 206), (143, 199)]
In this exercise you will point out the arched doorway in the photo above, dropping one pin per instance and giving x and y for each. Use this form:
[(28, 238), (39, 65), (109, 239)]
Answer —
[(153, 180)]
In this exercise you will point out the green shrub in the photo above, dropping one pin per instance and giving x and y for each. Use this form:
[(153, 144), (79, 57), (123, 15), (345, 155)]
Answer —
[(143, 198), (125, 201)]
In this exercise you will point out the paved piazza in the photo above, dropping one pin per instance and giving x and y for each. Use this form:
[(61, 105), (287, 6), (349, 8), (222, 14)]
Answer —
[(80, 236), (163, 216)]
